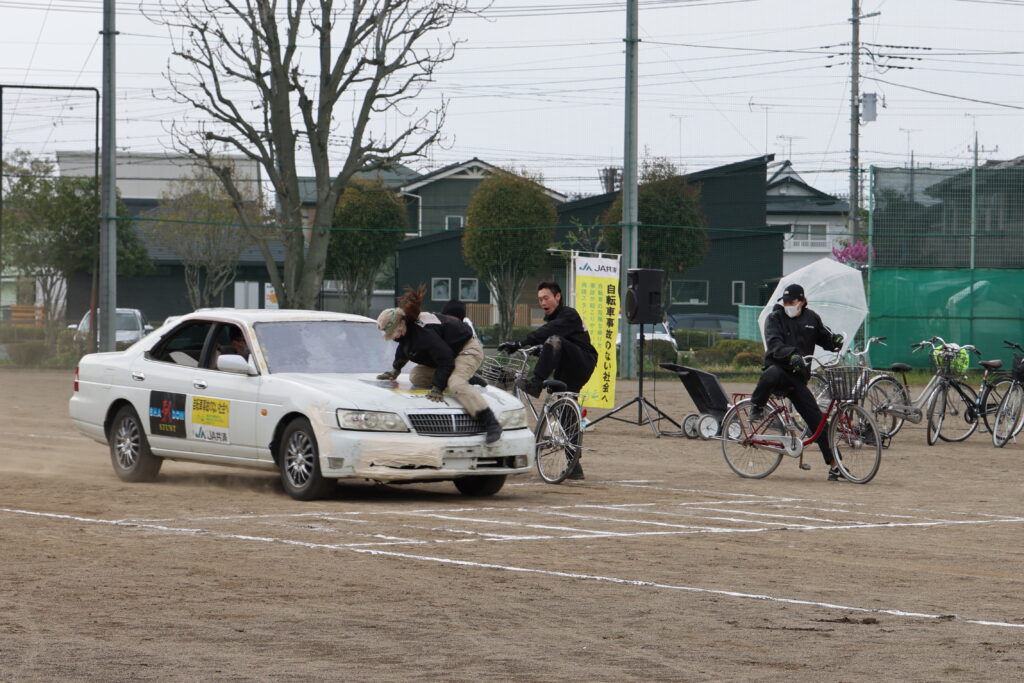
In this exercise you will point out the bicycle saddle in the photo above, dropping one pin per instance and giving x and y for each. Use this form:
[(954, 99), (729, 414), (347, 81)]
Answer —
[(991, 364), (555, 385), (900, 367)]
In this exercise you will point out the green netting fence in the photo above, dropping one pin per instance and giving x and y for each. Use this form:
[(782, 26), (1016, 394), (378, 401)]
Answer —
[(948, 259)]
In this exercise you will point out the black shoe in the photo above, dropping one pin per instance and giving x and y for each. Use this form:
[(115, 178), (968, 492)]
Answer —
[(490, 423), (478, 381), (834, 474), (532, 386), (577, 472), (756, 413)]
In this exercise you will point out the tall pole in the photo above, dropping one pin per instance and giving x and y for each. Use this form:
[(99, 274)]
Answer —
[(854, 220), (108, 209), (629, 183)]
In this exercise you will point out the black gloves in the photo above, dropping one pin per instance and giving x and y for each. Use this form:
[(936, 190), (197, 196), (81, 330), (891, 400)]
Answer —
[(798, 362), (838, 340), (509, 346), (390, 374), (435, 395)]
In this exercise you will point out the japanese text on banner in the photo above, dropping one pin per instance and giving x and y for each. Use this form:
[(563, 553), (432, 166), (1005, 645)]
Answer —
[(597, 301)]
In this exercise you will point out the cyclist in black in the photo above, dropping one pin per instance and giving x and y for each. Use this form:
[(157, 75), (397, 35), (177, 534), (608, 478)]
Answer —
[(567, 352), (791, 332)]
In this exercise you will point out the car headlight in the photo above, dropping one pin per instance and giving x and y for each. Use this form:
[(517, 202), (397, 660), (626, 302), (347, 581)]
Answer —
[(370, 421), (513, 419)]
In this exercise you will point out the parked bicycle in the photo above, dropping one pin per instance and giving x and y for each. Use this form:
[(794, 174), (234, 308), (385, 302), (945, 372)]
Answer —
[(558, 431), (1009, 418), (953, 409), (754, 449)]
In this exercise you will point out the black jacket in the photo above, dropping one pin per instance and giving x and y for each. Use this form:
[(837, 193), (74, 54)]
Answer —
[(433, 341), (786, 337), (567, 324)]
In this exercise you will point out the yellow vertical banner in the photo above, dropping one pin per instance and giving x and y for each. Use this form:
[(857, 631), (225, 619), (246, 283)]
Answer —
[(597, 301)]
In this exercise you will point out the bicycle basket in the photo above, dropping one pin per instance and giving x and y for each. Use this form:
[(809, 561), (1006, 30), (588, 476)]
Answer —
[(502, 371), (846, 383), (949, 362), (1018, 367)]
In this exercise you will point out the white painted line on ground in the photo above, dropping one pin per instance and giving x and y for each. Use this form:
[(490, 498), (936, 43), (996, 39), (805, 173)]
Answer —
[(526, 570)]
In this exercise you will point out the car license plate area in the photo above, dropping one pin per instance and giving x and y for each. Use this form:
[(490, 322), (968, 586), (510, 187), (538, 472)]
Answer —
[(462, 457)]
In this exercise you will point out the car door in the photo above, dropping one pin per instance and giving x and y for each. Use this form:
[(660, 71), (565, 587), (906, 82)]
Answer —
[(221, 410), (162, 381)]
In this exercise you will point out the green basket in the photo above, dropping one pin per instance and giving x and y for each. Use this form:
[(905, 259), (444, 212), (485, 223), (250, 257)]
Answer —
[(950, 362)]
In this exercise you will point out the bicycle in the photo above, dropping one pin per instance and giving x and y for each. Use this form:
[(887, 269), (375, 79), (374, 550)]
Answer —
[(944, 396), (754, 450), (559, 425), (1009, 418)]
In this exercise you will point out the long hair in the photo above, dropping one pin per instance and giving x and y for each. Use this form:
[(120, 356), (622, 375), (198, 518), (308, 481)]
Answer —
[(411, 303)]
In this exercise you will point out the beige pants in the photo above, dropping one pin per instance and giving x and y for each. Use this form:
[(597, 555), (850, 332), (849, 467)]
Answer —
[(466, 364)]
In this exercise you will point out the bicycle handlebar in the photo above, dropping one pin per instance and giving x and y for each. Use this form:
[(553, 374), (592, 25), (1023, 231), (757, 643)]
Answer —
[(1012, 345)]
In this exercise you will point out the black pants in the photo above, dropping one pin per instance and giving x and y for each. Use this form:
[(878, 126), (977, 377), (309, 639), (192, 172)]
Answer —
[(777, 378), (567, 361)]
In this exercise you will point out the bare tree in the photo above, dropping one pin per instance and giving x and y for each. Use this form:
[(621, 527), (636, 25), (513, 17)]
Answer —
[(198, 222), (244, 72)]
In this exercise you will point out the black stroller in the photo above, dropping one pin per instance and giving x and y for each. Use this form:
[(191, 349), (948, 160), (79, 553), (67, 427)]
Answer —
[(708, 395)]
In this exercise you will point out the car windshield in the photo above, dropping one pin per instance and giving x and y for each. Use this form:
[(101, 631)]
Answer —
[(125, 321), (323, 346)]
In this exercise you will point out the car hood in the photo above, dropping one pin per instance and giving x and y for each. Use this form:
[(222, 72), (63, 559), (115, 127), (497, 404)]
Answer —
[(365, 392)]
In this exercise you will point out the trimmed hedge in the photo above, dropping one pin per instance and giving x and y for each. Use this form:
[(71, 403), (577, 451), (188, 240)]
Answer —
[(695, 339), (27, 353), (488, 334), (20, 333), (748, 359)]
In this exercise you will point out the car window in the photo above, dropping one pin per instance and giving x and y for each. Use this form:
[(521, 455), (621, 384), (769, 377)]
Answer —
[(323, 346), (184, 344), (128, 321)]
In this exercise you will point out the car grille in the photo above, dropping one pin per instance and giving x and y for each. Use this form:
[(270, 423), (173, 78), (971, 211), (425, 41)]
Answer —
[(445, 424)]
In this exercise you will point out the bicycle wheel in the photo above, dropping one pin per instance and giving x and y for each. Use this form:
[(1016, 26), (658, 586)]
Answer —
[(991, 396), (936, 413), (856, 443), (558, 439), (961, 412), (1008, 415), (818, 386), (886, 391), (745, 459)]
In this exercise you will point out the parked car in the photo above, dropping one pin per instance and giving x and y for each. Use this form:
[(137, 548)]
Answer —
[(301, 396), (651, 332), (727, 326), (131, 326)]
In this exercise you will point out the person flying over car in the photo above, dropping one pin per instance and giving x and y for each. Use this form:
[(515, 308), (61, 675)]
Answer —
[(445, 352)]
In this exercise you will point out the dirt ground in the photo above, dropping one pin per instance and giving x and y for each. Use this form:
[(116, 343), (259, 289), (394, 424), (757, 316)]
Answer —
[(662, 565)]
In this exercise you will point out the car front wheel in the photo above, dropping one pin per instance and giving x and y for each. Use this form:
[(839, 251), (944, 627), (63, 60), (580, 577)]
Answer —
[(299, 461), (480, 485), (129, 448)]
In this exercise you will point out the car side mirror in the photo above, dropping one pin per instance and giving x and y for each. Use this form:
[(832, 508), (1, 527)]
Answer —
[(72, 327), (235, 363), (147, 327)]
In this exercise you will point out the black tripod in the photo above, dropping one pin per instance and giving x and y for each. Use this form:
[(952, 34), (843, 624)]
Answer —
[(644, 407)]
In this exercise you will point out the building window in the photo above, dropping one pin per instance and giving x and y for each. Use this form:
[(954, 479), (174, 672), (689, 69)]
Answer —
[(440, 288), (739, 292), (469, 289), (692, 292), (453, 222), (809, 235)]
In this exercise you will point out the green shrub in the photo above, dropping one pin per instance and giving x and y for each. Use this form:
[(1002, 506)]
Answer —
[(711, 356), (20, 333), (735, 346), (488, 334), (27, 353), (748, 359), (659, 351), (66, 343)]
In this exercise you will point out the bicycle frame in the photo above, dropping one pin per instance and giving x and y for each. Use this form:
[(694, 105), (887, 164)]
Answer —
[(790, 446)]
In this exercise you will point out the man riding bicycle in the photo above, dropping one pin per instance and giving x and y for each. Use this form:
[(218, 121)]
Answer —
[(791, 331), (567, 352)]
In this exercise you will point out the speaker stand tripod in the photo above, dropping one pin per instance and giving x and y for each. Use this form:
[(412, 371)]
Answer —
[(644, 408)]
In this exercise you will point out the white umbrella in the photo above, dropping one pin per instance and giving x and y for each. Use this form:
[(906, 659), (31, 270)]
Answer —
[(833, 291)]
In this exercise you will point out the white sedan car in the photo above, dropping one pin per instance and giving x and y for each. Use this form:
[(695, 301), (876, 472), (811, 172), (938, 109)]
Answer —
[(296, 392)]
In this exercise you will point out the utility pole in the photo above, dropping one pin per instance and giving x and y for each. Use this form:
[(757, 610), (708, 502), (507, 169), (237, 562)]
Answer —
[(108, 208), (854, 219), (630, 207)]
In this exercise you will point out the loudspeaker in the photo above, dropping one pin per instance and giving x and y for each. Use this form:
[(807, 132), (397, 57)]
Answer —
[(643, 295)]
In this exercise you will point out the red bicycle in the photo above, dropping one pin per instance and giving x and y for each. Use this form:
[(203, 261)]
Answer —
[(753, 449)]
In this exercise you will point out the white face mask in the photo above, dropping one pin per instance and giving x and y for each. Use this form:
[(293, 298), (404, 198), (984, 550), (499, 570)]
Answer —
[(793, 310)]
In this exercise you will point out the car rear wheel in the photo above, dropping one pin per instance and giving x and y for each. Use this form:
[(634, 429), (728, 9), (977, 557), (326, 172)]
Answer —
[(480, 485), (299, 461), (129, 448)]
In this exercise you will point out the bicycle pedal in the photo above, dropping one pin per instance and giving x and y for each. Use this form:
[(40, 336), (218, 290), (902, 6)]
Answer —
[(804, 466)]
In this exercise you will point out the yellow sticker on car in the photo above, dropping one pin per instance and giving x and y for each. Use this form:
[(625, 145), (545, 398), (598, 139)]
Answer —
[(210, 411)]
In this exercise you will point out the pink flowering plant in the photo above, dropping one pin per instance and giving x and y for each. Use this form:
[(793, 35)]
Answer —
[(855, 254)]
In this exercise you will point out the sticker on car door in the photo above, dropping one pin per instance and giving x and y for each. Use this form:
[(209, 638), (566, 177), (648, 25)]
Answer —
[(211, 418), (167, 414)]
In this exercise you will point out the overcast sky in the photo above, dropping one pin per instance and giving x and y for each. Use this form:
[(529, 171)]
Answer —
[(539, 84)]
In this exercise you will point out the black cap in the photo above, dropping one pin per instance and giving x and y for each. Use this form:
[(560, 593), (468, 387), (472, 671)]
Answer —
[(792, 292)]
